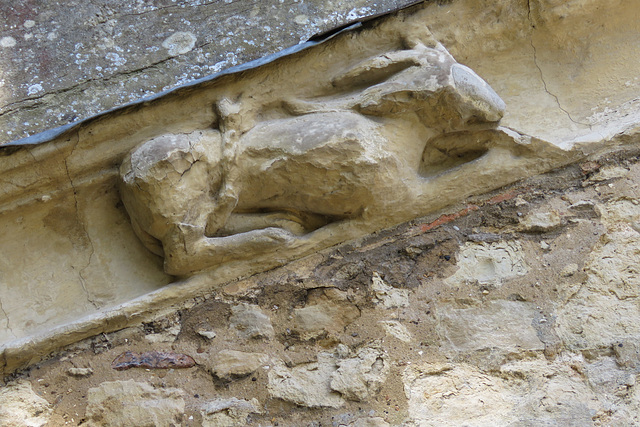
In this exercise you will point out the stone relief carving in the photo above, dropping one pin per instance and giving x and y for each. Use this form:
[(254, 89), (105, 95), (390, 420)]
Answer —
[(371, 146)]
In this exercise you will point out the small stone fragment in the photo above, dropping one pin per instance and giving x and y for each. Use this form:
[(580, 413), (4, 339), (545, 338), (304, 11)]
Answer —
[(208, 334), (541, 222), (589, 167), (167, 336), (342, 351), (152, 360), (627, 353), (412, 250), (80, 372)]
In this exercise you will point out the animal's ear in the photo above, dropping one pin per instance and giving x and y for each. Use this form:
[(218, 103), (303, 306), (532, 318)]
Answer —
[(375, 70)]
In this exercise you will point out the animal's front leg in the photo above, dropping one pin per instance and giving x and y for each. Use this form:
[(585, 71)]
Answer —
[(188, 249)]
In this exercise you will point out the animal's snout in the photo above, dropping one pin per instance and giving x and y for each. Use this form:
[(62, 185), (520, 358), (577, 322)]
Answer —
[(479, 101)]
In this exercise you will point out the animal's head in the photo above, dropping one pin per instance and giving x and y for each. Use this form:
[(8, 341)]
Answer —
[(421, 80)]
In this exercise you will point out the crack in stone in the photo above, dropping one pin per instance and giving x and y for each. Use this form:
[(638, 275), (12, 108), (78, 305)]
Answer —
[(173, 6), (7, 317), (4, 181), (79, 87), (544, 83), (83, 281)]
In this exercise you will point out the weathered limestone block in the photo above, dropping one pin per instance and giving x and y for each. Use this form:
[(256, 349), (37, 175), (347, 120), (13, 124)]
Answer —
[(127, 403), (447, 395), (604, 311), (503, 325), (308, 384), (552, 393)]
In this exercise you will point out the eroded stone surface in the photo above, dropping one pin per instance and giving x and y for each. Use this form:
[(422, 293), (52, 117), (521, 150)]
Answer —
[(505, 325), (489, 263)]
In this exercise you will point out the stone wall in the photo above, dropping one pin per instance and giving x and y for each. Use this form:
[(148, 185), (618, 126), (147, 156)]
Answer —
[(517, 308)]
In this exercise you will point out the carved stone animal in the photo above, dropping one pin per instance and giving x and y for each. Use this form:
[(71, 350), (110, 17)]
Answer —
[(384, 144)]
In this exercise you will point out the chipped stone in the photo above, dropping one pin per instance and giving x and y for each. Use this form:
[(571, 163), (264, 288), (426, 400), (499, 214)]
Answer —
[(569, 270), (206, 333)]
